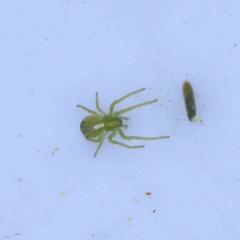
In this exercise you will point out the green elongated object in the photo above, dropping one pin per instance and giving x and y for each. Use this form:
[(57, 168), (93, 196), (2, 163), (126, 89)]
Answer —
[(188, 95)]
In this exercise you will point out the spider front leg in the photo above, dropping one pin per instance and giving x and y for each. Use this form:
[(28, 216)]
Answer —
[(122, 98), (134, 107), (118, 113), (113, 134), (120, 131)]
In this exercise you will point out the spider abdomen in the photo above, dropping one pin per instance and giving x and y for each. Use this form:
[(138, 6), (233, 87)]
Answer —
[(92, 126)]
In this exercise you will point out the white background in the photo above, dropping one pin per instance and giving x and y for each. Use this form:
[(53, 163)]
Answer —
[(56, 54)]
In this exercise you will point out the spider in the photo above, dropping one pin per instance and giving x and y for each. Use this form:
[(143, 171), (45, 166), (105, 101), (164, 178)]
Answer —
[(96, 127)]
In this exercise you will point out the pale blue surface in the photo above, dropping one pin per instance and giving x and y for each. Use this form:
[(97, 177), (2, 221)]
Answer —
[(56, 54)]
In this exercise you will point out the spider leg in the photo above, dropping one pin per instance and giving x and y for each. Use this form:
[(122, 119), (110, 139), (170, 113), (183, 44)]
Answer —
[(89, 111), (93, 140), (113, 134), (120, 131), (134, 107), (100, 139), (97, 105), (122, 98), (124, 126)]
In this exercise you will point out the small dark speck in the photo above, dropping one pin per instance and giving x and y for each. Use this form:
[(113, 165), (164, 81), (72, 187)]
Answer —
[(237, 180), (235, 45), (19, 180), (20, 135), (16, 234)]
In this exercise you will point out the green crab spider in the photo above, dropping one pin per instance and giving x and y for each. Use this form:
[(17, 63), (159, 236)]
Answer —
[(96, 127)]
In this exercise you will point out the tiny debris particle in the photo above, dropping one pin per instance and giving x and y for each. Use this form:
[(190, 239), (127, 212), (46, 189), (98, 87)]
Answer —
[(129, 219), (56, 149), (16, 234), (63, 193), (20, 135), (154, 211), (148, 193), (136, 200)]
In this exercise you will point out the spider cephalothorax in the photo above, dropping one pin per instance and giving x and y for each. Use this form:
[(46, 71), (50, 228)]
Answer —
[(96, 126)]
